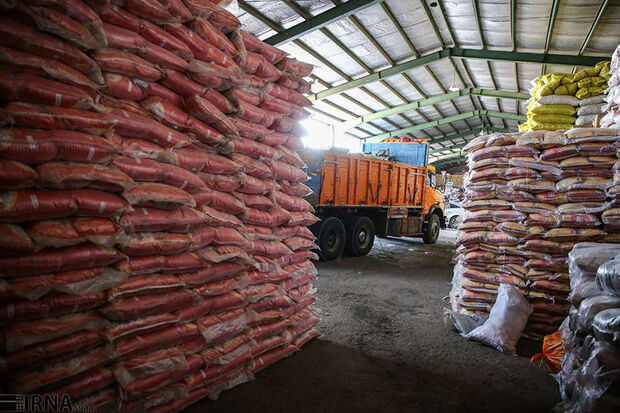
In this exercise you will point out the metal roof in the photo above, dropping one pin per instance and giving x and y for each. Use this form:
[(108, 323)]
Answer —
[(444, 70)]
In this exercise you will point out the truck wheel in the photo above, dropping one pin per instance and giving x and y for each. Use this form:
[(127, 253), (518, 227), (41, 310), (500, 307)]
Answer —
[(432, 230), (455, 221), (360, 236), (330, 238)]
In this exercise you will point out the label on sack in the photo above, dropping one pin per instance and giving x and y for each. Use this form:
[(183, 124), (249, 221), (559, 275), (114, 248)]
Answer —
[(34, 200)]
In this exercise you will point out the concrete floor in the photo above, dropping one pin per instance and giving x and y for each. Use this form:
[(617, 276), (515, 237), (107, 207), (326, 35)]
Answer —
[(385, 349)]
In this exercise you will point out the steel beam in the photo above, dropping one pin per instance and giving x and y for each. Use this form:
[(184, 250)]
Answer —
[(459, 53), (450, 160), (320, 20), (478, 23), (552, 14), (432, 101), (465, 133), (443, 121), (599, 13), (447, 157)]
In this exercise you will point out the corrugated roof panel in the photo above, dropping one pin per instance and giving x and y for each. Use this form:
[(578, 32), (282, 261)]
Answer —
[(532, 22), (412, 18), (495, 22), (504, 75), (460, 16), (606, 35)]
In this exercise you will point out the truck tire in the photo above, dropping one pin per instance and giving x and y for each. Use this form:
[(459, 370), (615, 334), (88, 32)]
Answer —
[(360, 237), (330, 238), (431, 233)]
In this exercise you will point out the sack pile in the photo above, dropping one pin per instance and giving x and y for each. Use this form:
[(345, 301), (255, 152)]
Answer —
[(612, 117), (590, 371), (529, 198), (154, 236), (562, 100)]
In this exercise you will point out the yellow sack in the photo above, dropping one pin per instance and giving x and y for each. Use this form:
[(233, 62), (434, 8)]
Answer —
[(588, 92), (524, 127), (550, 87), (553, 118), (553, 110), (569, 89), (567, 79), (591, 81), (549, 126), (582, 74), (603, 68)]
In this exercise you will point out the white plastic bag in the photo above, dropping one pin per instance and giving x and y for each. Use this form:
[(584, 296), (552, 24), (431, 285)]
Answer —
[(506, 322)]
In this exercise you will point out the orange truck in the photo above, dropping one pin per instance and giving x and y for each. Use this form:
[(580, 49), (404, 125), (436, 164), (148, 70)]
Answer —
[(358, 197)]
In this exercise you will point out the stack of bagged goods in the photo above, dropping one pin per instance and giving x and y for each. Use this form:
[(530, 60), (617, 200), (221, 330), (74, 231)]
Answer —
[(590, 371), (611, 109), (529, 198), (155, 248), (563, 100)]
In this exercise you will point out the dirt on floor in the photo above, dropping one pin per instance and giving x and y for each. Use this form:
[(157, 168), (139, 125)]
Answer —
[(385, 348)]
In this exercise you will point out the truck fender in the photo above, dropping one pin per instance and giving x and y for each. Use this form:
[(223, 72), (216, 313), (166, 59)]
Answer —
[(435, 209)]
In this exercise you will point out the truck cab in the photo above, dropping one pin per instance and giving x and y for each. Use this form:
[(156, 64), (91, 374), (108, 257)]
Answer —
[(359, 197)]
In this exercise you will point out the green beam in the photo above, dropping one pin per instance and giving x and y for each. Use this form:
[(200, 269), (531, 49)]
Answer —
[(320, 20), (444, 121), (478, 23), (432, 101), (448, 148), (466, 133), (449, 161), (447, 157), (513, 24), (552, 14), (459, 53), (601, 9)]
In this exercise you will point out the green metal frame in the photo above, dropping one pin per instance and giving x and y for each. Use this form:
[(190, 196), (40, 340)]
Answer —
[(320, 20), (449, 161), (459, 53), (444, 121), (448, 148), (432, 101), (447, 157), (552, 15), (465, 133), (597, 18)]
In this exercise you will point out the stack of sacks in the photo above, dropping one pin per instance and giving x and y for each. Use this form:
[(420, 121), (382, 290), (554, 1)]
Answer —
[(562, 100), (590, 371), (612, 117), (164, 255), (529, 198)]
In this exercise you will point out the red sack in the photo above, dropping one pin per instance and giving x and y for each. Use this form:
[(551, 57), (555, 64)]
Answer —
[(153, 171), (269, 52), (214, 76), (87, 383), (128, 329), (221, 18), (112, 60), (53, 117), (221, 287), (15, 241), (216, 328), (297, 257), (295, 189), (35, 89), (252, 148), (223, 253), (294, 82), (220, 219), (143, 305), (20, 36), (259, 277), (244, 94), (253, 232), (255, 186), (151, 32), (59, 24), (156, 243), (296, 231), (130, 41), (259, 66), (255, 201), (287, 172), (154, 340), (221, 201), (158, 196), (255, 114), (273, 218), (16, 175), (212, 35), (301, 218), (27, 333), (292, 65), (223, 183), (150, 10), (209, 305), (151, 220), (145, 285), (251, 130), (36, 65), (53, 305), (71, 258), (73, 175), (57, 372), (202, 49), (214, 272), (270, 249), (196, 161), (305, 267), (251, 166), (207, 112), (122, 87), (159, 90), (30, 205), (217, 236), (291, 203), (299, 243), (65, 233), (289, 95)]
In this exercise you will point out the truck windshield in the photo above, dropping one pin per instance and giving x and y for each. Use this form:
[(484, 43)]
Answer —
[(430, 180)]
